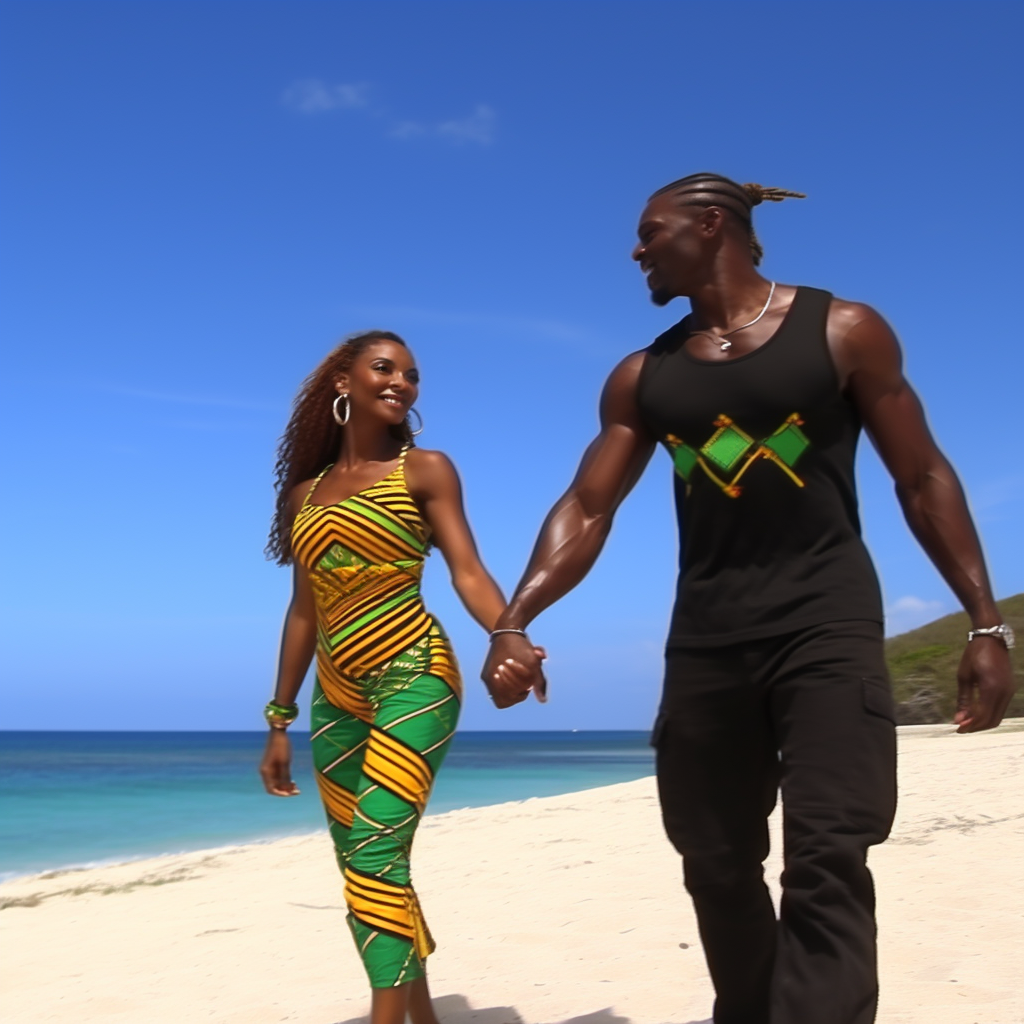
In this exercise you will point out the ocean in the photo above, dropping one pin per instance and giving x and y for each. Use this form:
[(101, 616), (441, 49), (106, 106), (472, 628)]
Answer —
[(74, 799)]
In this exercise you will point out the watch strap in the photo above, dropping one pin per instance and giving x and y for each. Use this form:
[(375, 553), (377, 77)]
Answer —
[(1002, 631)]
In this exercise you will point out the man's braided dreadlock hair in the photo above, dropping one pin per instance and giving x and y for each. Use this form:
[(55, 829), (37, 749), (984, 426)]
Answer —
[(311, 440), (706, 189)]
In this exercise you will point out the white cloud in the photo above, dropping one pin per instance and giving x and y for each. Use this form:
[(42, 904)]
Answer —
[(312, 96), (909, 612), (478, 127), (408, 130)]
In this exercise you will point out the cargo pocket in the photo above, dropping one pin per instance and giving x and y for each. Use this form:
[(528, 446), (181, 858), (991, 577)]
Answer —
[(878, 699)]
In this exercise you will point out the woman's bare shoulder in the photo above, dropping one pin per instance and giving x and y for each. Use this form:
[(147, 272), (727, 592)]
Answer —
[(297, 495), (429, 471)]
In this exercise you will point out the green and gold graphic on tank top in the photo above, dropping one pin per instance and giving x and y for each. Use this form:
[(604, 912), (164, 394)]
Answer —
[(731, 450)]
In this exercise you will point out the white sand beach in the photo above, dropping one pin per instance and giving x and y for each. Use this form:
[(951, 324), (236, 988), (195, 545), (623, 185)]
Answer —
[(562, 910)]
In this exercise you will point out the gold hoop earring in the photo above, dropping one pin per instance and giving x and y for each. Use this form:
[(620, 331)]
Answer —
[(416, 433), (338, 418)]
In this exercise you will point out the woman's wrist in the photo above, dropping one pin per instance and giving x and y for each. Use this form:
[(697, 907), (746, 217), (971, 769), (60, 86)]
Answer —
[(279, 715)]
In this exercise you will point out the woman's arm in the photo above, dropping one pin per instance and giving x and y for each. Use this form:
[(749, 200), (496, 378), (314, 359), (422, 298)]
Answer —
[(298, 643), (434, 484), (298, 639)]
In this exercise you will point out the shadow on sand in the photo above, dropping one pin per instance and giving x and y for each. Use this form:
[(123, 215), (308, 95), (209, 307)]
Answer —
[(458, 1010)]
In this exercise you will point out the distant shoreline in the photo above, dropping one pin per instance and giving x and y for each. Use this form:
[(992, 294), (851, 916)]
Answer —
[(88, 799), (316, 830)]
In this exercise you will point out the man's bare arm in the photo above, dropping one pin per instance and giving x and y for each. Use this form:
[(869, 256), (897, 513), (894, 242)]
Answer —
[(575, 530), (869, 360)]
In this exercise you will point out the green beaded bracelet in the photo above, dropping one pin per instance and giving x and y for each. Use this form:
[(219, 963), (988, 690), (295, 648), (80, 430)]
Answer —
[(280, 716)]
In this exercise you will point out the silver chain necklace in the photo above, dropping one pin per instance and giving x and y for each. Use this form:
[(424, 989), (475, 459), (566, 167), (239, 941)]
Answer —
[(720, 338)]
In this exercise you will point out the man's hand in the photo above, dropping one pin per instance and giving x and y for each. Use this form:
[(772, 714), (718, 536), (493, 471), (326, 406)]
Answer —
[(985, 685), (513, 668)]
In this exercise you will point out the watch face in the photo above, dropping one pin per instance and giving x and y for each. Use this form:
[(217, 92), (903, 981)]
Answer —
[(1007, 634)]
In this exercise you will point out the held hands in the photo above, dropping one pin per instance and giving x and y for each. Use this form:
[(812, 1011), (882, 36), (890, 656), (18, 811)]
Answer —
[(513, 668), (985, 685), (276, 766)]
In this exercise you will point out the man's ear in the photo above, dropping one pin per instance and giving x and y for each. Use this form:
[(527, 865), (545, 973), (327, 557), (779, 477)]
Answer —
[(710, 221)]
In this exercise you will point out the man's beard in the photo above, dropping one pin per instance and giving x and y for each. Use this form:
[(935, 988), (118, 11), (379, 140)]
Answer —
[(661, 296)]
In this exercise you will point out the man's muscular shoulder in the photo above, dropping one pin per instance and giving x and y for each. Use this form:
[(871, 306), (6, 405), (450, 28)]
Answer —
[(858, 337), (844, 315), (620, 394), (627, 371), (623, 381)]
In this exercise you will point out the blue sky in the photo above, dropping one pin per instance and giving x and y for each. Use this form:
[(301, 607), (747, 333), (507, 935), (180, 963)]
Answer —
[(200, 199)]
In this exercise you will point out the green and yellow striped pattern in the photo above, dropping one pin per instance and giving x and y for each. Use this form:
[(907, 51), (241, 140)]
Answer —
[(384, 710), (365, 559)]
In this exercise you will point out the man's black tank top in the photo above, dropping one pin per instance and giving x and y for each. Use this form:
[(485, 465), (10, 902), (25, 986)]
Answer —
[(763, 447)]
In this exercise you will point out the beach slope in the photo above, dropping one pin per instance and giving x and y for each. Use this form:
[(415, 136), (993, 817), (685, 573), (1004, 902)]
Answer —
[(562, 909)]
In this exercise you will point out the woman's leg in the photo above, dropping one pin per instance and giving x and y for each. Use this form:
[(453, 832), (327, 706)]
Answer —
[(421, 1009), (391, 1005), (412, 729), (339, 742)]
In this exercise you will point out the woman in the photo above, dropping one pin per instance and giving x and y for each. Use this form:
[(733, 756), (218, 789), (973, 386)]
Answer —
[(358, 507)]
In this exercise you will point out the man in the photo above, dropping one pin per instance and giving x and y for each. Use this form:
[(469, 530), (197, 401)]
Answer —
[(775, 677)]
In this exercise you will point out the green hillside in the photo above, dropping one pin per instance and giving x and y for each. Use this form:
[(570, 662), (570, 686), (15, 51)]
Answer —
[(923, 665)]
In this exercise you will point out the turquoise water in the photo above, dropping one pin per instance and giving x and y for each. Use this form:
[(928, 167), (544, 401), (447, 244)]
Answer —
[(69, 799)]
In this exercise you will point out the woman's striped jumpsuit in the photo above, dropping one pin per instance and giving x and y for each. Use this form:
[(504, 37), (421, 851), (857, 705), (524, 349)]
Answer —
[(384, 709)]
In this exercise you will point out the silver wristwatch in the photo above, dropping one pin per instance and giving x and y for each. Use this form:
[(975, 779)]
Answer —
[(1002, 631)]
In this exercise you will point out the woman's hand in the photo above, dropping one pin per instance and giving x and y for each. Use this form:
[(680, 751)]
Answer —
[(513, 669), (276, 766)]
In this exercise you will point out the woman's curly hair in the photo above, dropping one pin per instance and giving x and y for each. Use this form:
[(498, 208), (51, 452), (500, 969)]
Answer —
[(312, 438)]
